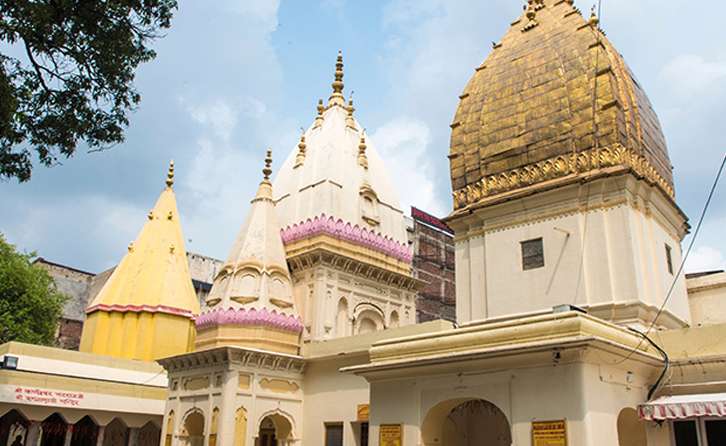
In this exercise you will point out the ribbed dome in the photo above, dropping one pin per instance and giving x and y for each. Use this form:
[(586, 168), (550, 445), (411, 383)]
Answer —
[(525, 119)]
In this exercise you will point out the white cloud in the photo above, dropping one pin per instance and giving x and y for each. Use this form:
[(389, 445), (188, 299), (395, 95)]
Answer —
[(690, 74), (403, 143), (705, 258)]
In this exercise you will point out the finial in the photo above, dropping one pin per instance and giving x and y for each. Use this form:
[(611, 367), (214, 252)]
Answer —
[(170, 174), (131, 247), (337, 96), (267, 171), (594, 19), (319, 117), (301, 149), (349, 121), (531, 13), (362, 157), (150, 215)]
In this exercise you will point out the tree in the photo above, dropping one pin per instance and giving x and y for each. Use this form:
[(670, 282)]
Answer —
[(30, 305), (71, 77)]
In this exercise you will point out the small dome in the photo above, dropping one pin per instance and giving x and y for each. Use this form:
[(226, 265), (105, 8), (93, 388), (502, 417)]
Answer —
[(525, 119)]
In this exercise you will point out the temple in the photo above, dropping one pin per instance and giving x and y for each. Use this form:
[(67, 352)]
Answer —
[(574, 322)]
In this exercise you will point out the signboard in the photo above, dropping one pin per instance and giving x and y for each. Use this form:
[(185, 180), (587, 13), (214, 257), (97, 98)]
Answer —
[(363, 412), (390, 435), (48, 397), (549, 433)]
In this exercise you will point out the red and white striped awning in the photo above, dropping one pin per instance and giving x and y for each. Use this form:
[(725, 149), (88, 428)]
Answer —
[(680, 407)]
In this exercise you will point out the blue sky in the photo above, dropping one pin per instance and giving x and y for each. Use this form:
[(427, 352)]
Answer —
[(234, 77)]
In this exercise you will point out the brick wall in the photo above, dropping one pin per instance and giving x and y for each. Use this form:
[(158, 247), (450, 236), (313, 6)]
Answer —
[(433, 263)]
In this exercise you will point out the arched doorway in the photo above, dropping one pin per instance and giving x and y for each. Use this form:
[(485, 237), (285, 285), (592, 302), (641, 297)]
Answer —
[(192, 433), (631, 430), (466, 422), (85, 432), (13, 428), (116, 433), (53, 431), (275, 430), (149, 435)]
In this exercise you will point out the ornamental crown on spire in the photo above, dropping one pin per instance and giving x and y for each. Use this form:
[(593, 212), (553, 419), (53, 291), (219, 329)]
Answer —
[(337, 97)]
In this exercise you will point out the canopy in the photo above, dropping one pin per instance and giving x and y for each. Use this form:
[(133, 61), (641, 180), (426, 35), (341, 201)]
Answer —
[(680, 407)]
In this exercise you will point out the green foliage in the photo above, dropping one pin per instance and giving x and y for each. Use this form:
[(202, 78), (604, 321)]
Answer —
[(72, 77), (30, 306)]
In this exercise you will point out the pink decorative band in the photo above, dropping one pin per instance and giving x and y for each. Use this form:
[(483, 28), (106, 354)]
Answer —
[(252, 316), (339, 229), (140, 309)]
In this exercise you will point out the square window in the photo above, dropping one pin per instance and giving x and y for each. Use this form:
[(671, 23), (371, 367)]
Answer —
[(532, 254), (669, 258)]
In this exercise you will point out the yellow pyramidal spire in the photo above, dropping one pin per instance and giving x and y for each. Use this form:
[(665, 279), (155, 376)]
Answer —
[(146, 309)]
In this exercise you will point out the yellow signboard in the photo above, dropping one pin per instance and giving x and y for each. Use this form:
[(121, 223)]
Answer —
[(363, 412), (549, 433), (391, 435)]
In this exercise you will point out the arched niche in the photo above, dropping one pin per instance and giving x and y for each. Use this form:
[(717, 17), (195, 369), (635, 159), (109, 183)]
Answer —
[(395, 320), (192, 431), (631, 429), (213, 426), (240, 427), (169, 429), (466, 422), (342, 320)]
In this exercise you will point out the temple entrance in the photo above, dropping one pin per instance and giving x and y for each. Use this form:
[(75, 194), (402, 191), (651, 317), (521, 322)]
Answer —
[(466, 422), (53, 431), (275, 430)]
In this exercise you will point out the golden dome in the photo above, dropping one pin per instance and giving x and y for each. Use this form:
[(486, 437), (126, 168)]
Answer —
[(525, 119)]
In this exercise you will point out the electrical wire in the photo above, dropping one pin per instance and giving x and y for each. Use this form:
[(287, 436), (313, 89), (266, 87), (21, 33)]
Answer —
[(683, 262)]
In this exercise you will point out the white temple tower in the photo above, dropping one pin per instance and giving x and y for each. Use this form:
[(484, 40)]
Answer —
[(343, 228)]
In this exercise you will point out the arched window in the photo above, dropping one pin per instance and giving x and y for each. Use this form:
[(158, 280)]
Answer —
[(53, 431), (116, 433), (85, 432)]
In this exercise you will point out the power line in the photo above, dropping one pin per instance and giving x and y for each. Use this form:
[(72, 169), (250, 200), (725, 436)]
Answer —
[(683, 261)]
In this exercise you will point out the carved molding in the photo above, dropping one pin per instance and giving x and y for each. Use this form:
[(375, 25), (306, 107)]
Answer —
[(576, 165)]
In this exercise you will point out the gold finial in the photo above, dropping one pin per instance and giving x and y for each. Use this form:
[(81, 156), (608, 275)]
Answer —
[(531, 13), (301, 148), (319, 117), (267, 171), (150, 215), (594, 19), (337, 96), (170, 174), (362, 157)]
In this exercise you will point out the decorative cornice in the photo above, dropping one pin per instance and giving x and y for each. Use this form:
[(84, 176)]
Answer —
[(577, 165), (244, 357), (251, 317), (332, 259), (114, 308), (342, 230)]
